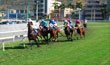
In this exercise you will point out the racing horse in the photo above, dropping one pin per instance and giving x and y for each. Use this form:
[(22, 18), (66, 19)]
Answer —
[(55, 33), (45, 32), (33, 34), (68, 32), (80, 31)]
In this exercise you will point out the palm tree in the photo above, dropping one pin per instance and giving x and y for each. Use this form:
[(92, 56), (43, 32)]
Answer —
[(70, 5), (61, 11), (56, 5), (62, 6), (79, 5)]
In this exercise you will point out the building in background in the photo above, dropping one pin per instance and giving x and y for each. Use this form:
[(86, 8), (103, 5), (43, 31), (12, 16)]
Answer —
[(67, 12), (108, 9), (43, 8), (93, 11), (18, 13), (58, 13)]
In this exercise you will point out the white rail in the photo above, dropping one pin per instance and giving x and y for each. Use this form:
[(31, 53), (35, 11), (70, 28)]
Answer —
[(4, 39)]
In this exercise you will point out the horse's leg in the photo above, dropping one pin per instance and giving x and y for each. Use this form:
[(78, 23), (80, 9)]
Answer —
[(50, 36), (37, 43), (59, 31), (77, 34), (57, 34), (47, 37), (30, 41), (53, 35), (81, 33), (71, 35)]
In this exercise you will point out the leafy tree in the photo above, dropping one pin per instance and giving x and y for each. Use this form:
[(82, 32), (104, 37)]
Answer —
[(62, 6), (56, 5), (79, 5), (61, 11), (104, 12), (70, 5)]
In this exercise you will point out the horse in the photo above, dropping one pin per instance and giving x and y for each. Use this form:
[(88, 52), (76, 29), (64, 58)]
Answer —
[(45, 31), (80, 31), (68, 32), (55, 33), (32, 35)]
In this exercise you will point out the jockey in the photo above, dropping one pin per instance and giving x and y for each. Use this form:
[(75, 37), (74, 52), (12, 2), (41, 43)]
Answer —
[(43, 24), (66, 23), (52, 23), (70, 24)]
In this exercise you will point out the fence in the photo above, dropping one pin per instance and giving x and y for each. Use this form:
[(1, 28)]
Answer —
[(12, 32)]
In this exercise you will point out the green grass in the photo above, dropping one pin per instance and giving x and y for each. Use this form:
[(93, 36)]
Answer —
[(93, 50)]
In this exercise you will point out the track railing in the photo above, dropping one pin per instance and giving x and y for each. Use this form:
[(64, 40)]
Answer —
[(3, 40)]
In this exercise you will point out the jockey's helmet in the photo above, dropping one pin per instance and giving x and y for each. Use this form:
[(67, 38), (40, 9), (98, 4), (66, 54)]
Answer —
[(50, 20), (42, 20), (78, 21), (66, 21), (69, 20)]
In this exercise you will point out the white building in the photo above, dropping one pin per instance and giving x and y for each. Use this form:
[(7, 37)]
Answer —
[(67, 11), (43, 8)]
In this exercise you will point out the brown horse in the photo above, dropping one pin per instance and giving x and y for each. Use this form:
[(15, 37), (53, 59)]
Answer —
[(80, 31), (68, 32), (55, 33), (32, 35), (45, 31)]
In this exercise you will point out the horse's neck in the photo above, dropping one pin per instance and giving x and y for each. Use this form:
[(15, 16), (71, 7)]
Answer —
[(30, 29)]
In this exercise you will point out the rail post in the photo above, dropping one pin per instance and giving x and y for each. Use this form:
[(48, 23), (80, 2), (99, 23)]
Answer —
[(3, 45)]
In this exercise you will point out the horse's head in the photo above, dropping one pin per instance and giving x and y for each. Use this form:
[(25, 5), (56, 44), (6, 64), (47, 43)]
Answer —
[(30, 23)]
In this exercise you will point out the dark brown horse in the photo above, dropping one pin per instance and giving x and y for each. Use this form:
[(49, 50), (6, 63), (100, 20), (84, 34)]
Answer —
[(45, 31), (32, 35), (80, 31), (68, 32)]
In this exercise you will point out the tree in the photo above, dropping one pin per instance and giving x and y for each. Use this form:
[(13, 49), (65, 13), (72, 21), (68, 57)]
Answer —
[(70, 5), (61, 11), (104, 12), (62, 6), (56, 5), (79, 5)]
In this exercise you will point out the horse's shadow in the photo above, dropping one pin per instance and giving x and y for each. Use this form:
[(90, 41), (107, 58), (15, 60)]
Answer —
[(20, 46), (64, 40), (16, 47)]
